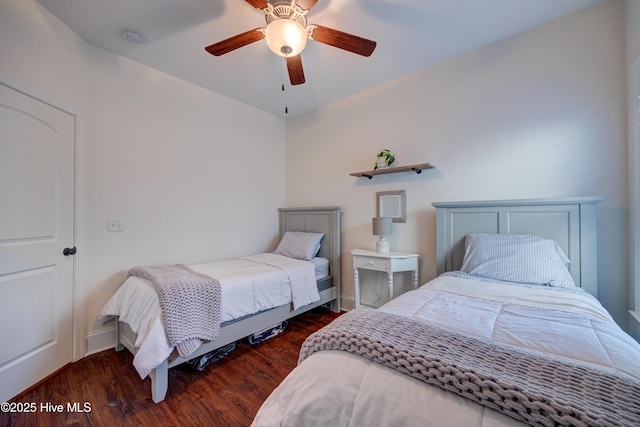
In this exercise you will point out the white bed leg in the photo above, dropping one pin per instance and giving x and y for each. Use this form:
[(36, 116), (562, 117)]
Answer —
[(159, 382)]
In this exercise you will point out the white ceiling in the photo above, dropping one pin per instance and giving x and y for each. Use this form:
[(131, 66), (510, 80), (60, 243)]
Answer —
[(411, 35)]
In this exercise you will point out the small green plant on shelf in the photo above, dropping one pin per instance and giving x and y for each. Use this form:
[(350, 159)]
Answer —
[(385, 158)]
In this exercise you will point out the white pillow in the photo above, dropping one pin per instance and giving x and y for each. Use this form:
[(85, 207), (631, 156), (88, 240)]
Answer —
[(520, 258), (299, 244)]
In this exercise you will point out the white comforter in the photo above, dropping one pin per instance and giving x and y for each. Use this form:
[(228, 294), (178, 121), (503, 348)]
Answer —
[(341, 389), (249, 285)]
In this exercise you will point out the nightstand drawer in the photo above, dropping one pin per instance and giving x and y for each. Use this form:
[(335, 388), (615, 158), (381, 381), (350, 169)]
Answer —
[(372, 263)]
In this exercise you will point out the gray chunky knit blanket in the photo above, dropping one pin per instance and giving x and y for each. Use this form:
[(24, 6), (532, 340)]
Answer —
[(189, 301), (529, 386)]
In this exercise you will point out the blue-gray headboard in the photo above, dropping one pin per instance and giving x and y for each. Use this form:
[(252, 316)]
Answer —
[(570, 221)]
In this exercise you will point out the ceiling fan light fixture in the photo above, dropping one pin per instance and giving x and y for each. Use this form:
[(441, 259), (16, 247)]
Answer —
[(285, 37)]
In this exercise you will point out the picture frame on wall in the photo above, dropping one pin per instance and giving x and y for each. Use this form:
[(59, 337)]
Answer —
[(392, 204)]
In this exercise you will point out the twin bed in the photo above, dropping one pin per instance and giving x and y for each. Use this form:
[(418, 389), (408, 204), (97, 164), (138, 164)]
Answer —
[(509, 333), (258, 292)]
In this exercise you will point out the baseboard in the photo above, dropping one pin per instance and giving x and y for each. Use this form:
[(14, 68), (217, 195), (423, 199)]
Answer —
[(101, 340), (347, 303)]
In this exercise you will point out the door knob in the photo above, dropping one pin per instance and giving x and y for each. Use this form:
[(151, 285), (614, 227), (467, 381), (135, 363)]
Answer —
[(69, 251)]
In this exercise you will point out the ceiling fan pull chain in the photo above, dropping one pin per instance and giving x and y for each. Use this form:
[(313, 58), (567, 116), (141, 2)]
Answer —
[(284, 79)]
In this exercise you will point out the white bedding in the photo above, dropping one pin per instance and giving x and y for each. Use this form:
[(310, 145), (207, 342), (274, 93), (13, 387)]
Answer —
[(322, 267), (249, 285), (340, 388)]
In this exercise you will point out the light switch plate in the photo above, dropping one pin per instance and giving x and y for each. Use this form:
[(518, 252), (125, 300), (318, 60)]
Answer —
[(115, 224)]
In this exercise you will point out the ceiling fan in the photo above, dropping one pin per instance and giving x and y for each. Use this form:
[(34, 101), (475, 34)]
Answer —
[(287, 32)]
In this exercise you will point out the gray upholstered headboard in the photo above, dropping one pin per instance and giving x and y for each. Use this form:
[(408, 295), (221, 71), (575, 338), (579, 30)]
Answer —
[(325, 220), (569, 221)]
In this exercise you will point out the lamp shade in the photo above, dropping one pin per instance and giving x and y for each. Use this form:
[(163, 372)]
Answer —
[(286, 37), (382, 226)]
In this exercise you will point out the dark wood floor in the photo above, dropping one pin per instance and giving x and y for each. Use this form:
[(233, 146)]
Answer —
[(227, 393)]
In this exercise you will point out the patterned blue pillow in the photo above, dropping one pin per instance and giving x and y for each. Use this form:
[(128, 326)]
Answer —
[(519, 258)]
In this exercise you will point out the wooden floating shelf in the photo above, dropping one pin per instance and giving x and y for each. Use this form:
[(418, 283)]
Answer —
[(411, 168)]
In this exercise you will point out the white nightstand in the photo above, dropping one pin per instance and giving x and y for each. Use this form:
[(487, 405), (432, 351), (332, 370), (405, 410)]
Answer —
[(389, 263)]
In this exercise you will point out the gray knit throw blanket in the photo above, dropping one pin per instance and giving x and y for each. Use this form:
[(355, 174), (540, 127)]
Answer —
[(529, 386), (190, 304)]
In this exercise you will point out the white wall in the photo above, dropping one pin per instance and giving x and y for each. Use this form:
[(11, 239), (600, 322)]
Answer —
[(38, 49), (195, 175), (192, 179), (541, 114)]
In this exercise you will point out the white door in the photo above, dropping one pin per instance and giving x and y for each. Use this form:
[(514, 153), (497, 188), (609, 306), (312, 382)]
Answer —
[(36, 225)]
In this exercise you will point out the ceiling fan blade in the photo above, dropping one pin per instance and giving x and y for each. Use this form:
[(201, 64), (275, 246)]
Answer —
[(258, 4), (296, 73), (235, 42), (342, 40), (306, 4)]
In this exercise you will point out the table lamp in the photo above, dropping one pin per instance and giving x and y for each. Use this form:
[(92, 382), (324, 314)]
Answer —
[(382, 226)]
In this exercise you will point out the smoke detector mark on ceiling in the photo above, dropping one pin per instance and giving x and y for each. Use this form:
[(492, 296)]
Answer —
[(132, 37)]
